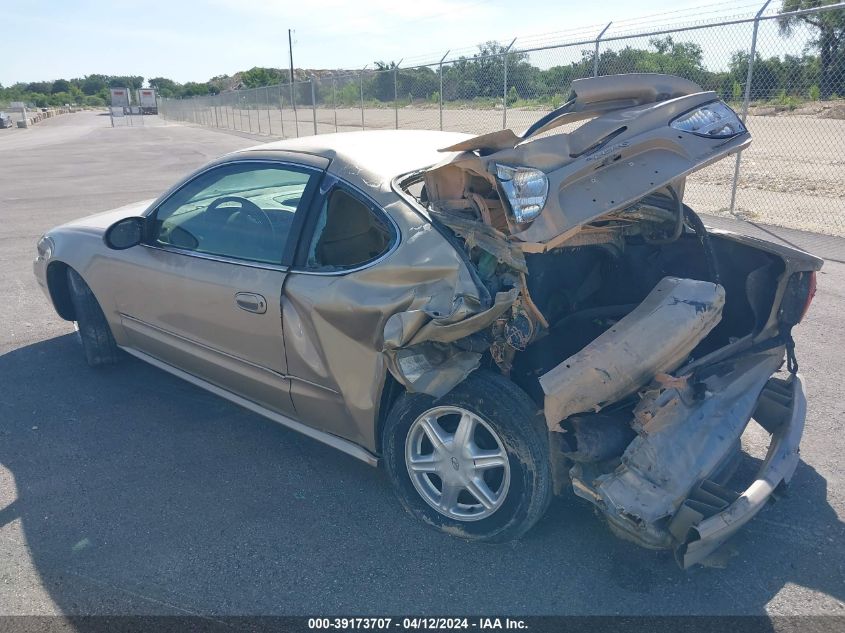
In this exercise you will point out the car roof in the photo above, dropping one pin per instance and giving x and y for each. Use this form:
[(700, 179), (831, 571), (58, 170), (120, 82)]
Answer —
[(373, 157)]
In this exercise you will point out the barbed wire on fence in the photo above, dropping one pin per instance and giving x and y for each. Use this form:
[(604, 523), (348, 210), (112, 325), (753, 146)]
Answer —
[(783, 70)]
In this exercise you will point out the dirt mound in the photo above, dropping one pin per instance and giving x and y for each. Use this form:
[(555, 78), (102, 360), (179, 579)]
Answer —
[(836, 111), (816, 109)]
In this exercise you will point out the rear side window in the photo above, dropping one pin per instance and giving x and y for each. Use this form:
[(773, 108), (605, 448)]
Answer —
[(348, 234)]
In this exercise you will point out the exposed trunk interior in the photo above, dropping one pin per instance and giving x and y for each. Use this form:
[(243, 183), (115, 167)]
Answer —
[(582, 291)]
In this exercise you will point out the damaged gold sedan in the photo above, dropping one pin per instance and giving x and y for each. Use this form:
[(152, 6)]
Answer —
[(494, 319)]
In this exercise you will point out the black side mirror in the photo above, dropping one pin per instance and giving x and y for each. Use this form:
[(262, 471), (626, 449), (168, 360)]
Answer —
[(125, 233)]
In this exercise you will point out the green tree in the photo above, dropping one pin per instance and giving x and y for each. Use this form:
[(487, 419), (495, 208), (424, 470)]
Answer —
[(93, 84), (165, 87), (132, 82), (94, 101), (482, 75), (60, 85), (557, 80), (195, 89), (39, 99), (418, 83), (347, 95), (41, 87), (765, 82), (381, 85), (60, 98), (829, 27), (258, 77)]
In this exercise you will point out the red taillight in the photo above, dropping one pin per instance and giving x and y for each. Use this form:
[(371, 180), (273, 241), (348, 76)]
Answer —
[(797, 297), (811, 292)]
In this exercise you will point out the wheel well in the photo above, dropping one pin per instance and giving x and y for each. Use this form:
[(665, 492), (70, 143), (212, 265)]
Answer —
[(59, 288), (390, 392)]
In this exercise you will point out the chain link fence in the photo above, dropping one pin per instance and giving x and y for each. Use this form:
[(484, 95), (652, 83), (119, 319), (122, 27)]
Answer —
[(783, 72)]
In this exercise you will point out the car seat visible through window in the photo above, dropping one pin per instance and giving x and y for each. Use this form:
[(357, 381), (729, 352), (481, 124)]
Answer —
[(352, 234)]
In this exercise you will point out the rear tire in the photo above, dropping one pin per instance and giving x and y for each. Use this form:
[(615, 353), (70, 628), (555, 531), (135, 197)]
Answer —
[(97, 340), (503, 459)]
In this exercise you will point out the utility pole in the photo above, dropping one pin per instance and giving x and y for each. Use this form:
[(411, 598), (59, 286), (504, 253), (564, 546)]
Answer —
[(290, 49)]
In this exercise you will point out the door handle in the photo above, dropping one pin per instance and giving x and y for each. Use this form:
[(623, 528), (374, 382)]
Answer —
[(251, 302)]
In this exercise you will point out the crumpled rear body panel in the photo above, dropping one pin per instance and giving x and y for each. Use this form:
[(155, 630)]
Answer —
[(343, 333)]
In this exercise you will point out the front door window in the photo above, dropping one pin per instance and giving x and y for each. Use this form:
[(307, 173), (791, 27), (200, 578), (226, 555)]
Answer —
[(241, 211)]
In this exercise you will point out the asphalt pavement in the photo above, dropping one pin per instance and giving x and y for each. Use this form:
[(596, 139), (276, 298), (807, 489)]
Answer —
[(125, 490)]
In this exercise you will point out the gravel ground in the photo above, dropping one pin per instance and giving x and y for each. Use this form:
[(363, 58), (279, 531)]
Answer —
[(128, 491)]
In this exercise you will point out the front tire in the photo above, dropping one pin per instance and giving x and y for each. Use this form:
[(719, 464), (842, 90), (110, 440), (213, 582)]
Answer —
[(97, 340), (474, 463)]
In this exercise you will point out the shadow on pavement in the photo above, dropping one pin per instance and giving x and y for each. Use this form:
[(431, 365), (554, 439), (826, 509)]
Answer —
[(140, 493)]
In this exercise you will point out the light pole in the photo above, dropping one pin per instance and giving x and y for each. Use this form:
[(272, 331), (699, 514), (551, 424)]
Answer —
[(292, 96)]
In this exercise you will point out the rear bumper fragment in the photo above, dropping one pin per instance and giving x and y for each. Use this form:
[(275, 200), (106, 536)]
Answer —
[(781, 409)]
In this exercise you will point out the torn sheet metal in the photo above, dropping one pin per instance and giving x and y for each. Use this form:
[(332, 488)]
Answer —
[(657, 336), (434, 368), (683, 435), (475, 233), (412, 327)]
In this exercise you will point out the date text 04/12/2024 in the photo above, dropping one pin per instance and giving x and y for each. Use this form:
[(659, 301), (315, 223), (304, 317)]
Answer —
[(412, 623)]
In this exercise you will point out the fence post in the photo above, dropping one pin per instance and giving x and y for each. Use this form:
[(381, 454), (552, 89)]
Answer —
[(441, 88), (267, 103), (596, 56), (249, 115), (362, 96), (396, 93), (293, 105), (314, 105), (257, 110), (334, 101), (505, 85), (747, 96), (281, 111)]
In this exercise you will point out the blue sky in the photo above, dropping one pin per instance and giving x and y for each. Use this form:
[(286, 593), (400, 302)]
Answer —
[(187, 41)]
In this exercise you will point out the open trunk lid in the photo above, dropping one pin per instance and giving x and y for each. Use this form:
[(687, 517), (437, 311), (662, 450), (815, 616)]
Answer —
[(631, 147)]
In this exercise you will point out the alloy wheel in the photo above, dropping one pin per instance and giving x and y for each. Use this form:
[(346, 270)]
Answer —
[(457, 463)]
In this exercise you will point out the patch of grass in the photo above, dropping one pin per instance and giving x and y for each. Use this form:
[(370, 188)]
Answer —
[(790, 102)]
